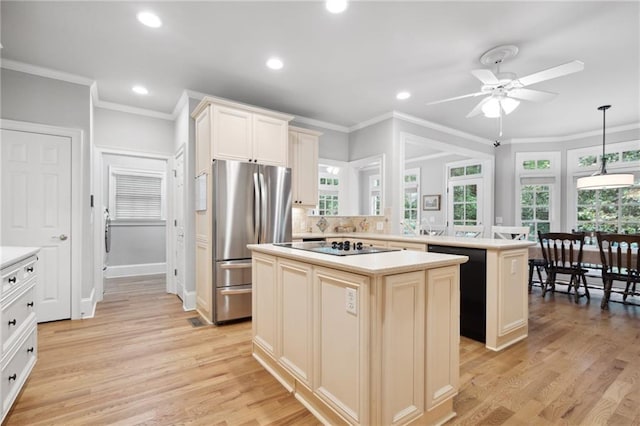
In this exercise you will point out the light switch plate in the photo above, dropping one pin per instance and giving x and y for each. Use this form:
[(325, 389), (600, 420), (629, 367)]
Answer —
[(351, 300)]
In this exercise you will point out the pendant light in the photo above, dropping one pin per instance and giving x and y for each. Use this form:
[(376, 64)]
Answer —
[(602, 180)]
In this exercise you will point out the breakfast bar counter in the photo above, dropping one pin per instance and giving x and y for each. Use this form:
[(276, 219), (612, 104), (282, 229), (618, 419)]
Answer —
[(360, 339)]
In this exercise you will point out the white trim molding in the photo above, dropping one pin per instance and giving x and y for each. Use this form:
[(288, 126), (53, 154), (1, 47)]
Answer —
[(597, 132), (135, 270), (45, 72), (322, 124), (88, 305), (189, 300), (132, 110), (440, 128)]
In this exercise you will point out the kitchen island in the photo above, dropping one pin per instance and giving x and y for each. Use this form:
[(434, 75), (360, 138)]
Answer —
[(494, 286), (365, 339)]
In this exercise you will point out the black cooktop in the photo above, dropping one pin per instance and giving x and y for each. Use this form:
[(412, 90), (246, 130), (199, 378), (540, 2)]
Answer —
[(346, 248)]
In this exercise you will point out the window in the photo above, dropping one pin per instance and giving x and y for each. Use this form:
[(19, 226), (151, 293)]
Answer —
[(535, 206), (465, 204), (375, 195), (608, 210), (411, 200), (537, 194), (328, 192), (136, 194), (470, 170)]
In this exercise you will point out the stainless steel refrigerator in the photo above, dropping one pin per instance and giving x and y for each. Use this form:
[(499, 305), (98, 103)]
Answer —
[(251, 205)]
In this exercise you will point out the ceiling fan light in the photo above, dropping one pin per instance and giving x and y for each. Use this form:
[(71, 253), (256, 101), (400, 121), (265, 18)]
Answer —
[(509, 105), (491, 108)]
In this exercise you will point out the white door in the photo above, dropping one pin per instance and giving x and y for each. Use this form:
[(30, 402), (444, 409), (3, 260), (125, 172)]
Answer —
[(464, 204), (36, 212), (179, 202)]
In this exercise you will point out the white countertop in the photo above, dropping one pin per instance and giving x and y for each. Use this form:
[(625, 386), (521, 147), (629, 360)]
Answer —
[(12, 254), (391, 262), (481, 243)]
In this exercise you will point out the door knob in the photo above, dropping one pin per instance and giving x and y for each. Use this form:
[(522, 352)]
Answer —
[(61, 237)]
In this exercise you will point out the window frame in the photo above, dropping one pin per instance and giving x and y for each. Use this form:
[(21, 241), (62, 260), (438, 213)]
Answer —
[(415, 171), (574, 171), (552, 175), (125, 171)]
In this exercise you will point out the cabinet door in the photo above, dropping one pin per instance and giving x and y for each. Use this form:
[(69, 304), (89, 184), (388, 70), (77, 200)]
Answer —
[(270, 144), (370, 243), (307, 165), (295, 322), (341, 342), (293, 163), (232, 133), (203, 141), (264, 304)]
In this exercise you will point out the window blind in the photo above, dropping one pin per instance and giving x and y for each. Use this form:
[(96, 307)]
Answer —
[(138, 197)]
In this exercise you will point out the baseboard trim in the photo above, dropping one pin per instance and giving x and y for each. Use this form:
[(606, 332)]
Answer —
[(188, 300), (135, 270), (88, 306)]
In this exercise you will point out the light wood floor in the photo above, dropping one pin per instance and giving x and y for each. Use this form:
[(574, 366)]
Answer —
[(139, 361)]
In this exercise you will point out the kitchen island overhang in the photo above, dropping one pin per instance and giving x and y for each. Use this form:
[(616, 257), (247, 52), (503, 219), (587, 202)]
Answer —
[(367, 339)]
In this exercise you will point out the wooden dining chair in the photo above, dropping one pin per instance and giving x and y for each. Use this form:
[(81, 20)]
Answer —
[(471, 231), (620, 262), (562, 252), (520, 233)]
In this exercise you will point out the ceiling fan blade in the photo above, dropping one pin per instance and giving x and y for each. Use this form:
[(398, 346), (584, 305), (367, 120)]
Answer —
[(555, 72), (531, 95), (478, 108), (485, 76), (470, 95)]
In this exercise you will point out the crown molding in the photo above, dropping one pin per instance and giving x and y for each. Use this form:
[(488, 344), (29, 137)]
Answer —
[(372, 121), (133, 110), (440, 128), (428, 157), (575, 136), (10, 64), (322, 124)]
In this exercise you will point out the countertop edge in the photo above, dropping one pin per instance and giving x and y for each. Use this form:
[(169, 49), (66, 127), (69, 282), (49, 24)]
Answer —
[(334, 261), (482, 243), (10, 255)]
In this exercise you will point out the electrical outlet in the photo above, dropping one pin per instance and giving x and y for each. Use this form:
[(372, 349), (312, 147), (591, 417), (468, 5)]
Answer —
[(513, 266), (379, 226), (351, 300)]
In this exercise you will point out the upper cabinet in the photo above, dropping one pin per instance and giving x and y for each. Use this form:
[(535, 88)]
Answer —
[(241, 132), (303, 160)]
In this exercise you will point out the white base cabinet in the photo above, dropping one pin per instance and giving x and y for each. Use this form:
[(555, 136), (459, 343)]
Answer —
[(19, 331), (359, 349)]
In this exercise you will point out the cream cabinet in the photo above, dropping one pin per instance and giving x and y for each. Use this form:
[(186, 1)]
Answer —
[(403, 245), (303, 160), (359, 348), (242, 132), (19, 334)]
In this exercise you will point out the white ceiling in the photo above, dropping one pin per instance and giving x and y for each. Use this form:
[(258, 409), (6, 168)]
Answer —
[(344, 69)]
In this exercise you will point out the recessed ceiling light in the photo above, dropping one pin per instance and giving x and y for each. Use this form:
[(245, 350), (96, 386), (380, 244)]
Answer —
[(275, 63), (149, 19), (336, 6), (403, 95), (140, 90)]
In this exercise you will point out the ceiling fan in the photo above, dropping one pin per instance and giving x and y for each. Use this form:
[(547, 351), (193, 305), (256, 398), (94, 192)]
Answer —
[(504, 90)]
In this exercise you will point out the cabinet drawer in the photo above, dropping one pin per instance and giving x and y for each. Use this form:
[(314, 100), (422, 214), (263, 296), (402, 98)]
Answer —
[(17, 367), (372, 243), (18, 273), (16, 310), (408, 246)]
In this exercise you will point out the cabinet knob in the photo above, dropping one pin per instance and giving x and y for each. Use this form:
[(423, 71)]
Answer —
[(30, 304), (30, 349), (12, 280), (13, 377), (12, 322), (30, 269)]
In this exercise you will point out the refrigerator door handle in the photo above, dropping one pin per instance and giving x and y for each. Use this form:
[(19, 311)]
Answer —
[(263, 208), (257, 200)]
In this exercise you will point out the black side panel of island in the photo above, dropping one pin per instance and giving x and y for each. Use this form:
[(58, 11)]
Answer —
[(473, 290)]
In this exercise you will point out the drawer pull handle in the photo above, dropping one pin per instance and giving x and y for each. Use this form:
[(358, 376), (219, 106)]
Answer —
[(30, 349), (12, 280), (12, 377), (12, 322), (30, 304), (30, 269)]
